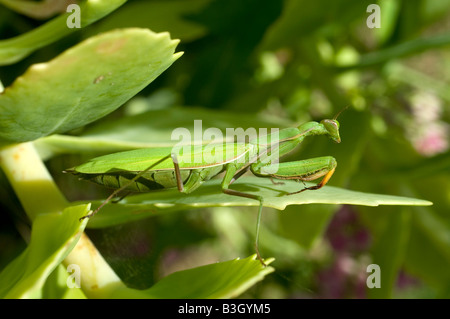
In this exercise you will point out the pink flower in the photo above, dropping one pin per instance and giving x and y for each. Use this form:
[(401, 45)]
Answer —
[(433, 141)]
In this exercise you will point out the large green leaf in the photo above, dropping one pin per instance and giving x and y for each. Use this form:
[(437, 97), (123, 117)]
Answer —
[(52, 238), (220, 280), (210, 195), (84, 83)]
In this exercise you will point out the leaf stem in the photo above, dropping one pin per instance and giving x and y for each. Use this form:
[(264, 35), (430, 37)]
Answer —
[(97, 278), (30, 180)]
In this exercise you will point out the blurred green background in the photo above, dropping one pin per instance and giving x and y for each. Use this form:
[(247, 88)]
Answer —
[(290, 62)]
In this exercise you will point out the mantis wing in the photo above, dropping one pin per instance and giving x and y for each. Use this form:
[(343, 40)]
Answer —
[(189, 157)]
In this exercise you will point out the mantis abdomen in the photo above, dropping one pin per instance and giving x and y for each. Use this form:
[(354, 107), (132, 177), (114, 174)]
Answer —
[(154, 179), (147, 182)]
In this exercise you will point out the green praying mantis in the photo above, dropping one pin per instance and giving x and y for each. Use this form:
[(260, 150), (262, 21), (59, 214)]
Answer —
[(150, 169)]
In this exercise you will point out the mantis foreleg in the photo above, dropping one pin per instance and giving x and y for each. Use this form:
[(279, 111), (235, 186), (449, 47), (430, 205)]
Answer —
[(305, 170)]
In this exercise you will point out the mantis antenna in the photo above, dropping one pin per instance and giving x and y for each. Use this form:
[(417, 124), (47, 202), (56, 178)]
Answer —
[(339, 113)]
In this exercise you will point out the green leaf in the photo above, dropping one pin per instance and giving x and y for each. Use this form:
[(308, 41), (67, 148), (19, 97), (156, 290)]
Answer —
[(84, 83), (52, 238), (15, 49), (220, 280), (210, 195)]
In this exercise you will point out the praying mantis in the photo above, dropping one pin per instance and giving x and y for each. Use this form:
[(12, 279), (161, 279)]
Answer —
[(150, 169)]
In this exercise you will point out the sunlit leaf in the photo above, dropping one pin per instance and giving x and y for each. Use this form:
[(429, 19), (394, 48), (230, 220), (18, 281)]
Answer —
[(84, 83), (220, 280)]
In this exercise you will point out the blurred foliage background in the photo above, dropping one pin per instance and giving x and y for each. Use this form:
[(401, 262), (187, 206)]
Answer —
[(289, 62)]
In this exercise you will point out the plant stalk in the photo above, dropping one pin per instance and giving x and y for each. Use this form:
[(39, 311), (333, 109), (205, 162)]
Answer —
[(32, 183)]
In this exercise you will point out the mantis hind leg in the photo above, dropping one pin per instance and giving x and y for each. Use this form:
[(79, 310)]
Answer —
[(258, 221), (230, 177), (176, 167)]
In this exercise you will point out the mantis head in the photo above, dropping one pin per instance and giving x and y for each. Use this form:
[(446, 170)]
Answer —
[(332, 127)]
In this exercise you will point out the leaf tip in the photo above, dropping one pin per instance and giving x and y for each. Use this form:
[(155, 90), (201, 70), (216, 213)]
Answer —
[(175, 41), (177, 55)]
